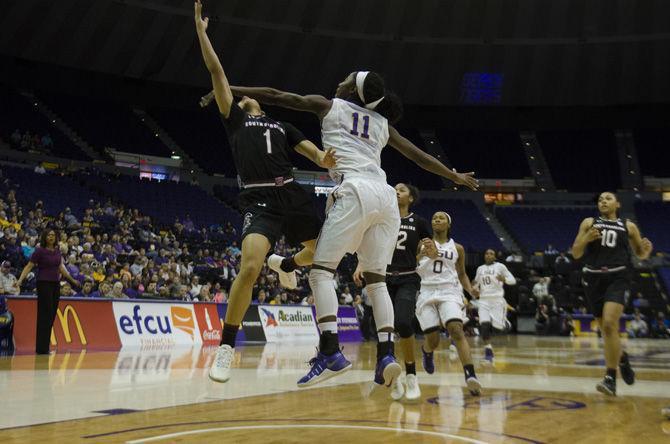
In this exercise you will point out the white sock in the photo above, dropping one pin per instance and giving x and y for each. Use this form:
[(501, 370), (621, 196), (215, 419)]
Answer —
[(385, 336), (382, 306), (488, 346), (328, 326)]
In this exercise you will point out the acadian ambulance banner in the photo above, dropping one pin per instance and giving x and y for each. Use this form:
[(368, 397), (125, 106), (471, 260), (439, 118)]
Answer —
[(285, 322), (155, 323)]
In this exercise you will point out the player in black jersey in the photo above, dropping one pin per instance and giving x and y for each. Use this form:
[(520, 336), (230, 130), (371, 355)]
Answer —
[(403, 284), (604, 246), (272, 203)]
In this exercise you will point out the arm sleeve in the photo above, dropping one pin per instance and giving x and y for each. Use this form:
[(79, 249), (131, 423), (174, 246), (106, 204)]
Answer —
[(293, 135), (235, 119), (509, 277)]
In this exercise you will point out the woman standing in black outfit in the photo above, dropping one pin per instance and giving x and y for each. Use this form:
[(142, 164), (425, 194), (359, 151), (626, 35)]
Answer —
[(49, 262)]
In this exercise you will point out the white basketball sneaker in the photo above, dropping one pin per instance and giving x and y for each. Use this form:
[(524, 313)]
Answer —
[(220, 369), (398, 390), (413, 391), (287, 280)]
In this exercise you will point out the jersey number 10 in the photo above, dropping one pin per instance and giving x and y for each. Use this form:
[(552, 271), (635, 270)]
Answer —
[(366, 126), (608, 238)]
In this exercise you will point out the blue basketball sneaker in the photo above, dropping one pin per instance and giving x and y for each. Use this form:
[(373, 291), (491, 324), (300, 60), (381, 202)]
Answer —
[(488, 354), (428, 363), (324, 367), (387, 370)]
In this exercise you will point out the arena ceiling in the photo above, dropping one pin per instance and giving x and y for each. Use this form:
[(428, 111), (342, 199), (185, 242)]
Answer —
[(432, 52)]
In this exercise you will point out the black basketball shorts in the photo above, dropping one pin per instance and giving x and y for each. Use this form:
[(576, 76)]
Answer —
[(606, 287), (277, 211)]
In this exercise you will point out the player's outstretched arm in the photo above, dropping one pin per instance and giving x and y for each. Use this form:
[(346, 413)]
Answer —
[(322, 159), (587, 233), (316, 104), (222, 93), (428, 162), (642, 247)]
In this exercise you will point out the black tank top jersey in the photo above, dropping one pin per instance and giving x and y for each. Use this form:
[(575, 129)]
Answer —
[(413, 228), (260, 145), (613, 249)]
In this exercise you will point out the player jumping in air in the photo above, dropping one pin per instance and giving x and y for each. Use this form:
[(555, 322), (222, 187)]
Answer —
[(362, 210), (272, 203)]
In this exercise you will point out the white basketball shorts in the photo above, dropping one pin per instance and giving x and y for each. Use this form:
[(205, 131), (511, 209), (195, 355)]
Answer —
[(361, 217)]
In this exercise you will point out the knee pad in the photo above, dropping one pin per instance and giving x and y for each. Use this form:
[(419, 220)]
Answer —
[(382, 307), (323, 288)]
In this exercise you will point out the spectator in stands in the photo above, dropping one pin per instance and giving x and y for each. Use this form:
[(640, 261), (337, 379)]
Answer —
[(660, 326), (638, 328), (562, 259), (550, 250), (6, 329), (307, 300), (138, 265), (8, 282), (117, 291), (514, 257), (639, 301), (66, 289), (542, 321), (39, 169), (104, 291), (260, 298), (86, 290), (346, 298), (358, 306), (567, 326), (205, 295), (541, 289)]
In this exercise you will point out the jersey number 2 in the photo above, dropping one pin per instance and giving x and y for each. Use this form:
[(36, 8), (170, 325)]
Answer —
[(402, 238), (268, 141), (366, 126)]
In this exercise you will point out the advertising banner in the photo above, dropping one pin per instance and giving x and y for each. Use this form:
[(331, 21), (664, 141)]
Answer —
[(288, 322), (79, 323), (155, 323), (209, 323), (348, 329)]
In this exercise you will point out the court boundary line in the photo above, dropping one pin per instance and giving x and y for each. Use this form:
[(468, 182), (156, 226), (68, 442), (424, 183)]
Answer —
[(306, 426), (372, 421)]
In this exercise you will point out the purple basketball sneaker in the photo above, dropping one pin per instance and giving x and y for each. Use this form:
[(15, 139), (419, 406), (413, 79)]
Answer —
[(324, 367)]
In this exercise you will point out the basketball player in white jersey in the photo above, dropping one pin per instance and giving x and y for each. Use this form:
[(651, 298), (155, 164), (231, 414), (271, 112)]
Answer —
[(440, 303), (362, 211), (489, 289)]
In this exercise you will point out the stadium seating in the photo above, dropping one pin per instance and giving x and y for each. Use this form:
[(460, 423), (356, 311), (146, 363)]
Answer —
[(536, 227), (581, 160), (470, 229), (25, 117), (653, 218), (105, 124), (491, 154)]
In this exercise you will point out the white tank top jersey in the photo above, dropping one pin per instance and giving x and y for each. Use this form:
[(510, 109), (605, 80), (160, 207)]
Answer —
[(358, 136), (441, 271), (489, 285)]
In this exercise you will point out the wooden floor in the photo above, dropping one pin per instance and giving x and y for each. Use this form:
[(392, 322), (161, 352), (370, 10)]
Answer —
[(539, 390)]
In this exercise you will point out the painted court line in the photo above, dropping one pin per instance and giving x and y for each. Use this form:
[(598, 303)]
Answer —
[(304, 426)]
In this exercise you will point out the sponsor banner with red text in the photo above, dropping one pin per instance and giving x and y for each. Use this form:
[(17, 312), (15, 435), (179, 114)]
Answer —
[(79, 323), (155, 323), (288, 322), (209, 323)]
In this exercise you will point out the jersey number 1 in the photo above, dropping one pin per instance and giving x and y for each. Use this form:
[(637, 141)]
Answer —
[(366, 126), (268, 141)]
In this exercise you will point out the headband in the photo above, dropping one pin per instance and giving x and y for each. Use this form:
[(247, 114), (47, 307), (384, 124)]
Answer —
[(360, 81)]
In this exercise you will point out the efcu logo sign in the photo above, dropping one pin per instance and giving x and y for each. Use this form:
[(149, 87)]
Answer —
[(182, 318), (64, 317)]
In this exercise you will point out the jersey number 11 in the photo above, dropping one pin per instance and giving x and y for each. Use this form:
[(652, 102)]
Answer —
[(366, 126)]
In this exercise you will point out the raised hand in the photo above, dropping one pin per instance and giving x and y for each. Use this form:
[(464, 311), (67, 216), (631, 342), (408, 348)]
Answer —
[(467, 179), (647, 246), (200, 23)]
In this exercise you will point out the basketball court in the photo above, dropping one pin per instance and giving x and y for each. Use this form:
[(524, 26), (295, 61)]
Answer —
[(539, 390)]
